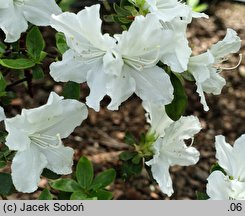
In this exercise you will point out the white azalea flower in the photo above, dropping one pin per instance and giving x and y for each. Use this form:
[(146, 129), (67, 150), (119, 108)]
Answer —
[(177, 53), (204, 67), (36, 136), (221, 187), (167, 10), (2, 115), (231, 158), (117, 66), (170, 148), (15, 15)]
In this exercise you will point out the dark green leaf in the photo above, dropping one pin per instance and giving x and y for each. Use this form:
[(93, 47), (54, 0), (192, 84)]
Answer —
[(129, 138), (3, 83), (188, 76), (3, 164), (217, 167), (136, 159), (84, 172), (35, 43), (45, 195), (2, 47), (127, 155), (102, 194), (6, 185), (201, 196), (177, 107), (65, 5), (50, 174), (121, 11), (103, 179), (66, 185), (129, 169), (71, 90), (79, 195), (37, 72), (64, 195), (61, 42), (17, 64)]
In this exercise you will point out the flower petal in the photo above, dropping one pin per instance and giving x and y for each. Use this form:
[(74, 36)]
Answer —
[(230, 44), (214, 84), (218, 187), (39, 12), (177, 53), (160, 172), (5, 3), (157, 117), (202, 96), (120, 89), (153, 85), (83, 31), (71, 68), (27, 167), (15, 26), (225, 155), (2, 114), (60, 160), (137, 50), (17, 139), (97, 80)]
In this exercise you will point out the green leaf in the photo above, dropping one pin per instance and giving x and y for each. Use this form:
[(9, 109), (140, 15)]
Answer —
[(136, 159), (177, 107), (127, 155), (79, 195), (201, 196), (45, 195), (200, 8), (18, 64), (3, 164), (102, 194), (37, 72), (121, 11), (129, 138), (103, 179), (50, 174), (65, 5), (2, 47), (66, 185), (35, 43), (217, 167), (193, 3), (6, 186), (84, 172), (129, 169), (61, 42), (71, 90), (3, 83)]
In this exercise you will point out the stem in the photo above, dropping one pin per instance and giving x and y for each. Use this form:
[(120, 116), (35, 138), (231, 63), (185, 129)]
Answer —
[(8, 88)]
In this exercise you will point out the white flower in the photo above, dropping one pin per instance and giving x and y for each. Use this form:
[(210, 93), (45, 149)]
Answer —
[(167, 10), (177, 53), (36, 136), (170, 148), (221, 187), (204, 67), (15, 15), (117, 66), (2, 115), (231, 159)]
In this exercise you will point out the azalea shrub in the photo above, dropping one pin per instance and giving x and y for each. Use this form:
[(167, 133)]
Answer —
[(151, 58)]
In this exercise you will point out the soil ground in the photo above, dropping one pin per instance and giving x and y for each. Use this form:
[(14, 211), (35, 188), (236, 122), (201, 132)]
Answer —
[(101, 136)]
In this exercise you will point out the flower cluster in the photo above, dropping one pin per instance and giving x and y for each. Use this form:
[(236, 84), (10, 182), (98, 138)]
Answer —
[(140, 60)]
